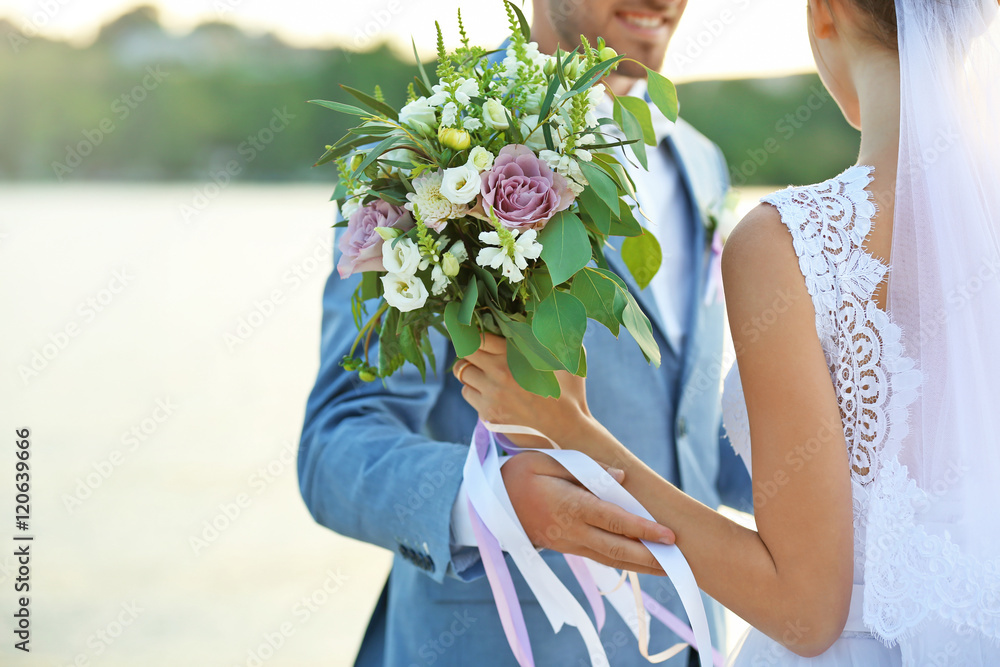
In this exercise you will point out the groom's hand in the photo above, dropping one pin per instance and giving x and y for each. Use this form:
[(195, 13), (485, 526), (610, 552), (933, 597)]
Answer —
[(557, 513)]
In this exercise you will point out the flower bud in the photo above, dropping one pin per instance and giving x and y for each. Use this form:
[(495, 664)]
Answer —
[(550, 67), (607, 53), (388, 233), (450, 265), (367, 376), (455, 138), (356, 161)]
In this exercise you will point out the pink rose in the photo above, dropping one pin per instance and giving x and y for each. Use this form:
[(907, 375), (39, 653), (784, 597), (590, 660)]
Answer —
[(522, 190), (360, 244)]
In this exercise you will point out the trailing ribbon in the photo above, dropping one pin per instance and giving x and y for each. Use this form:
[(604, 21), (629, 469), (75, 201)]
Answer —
[(495, 523)]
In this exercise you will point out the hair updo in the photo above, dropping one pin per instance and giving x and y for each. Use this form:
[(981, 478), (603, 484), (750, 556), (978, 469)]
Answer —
[(883, 21)]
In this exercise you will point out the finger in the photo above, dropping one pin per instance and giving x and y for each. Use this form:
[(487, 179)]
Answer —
[(459, 369), (614, 519), (473, 376), (603, 560), (616, 473), (617, 551), (492, 344), (472, 397)]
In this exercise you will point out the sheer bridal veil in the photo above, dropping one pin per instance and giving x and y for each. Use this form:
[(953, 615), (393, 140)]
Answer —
[(933, 540)]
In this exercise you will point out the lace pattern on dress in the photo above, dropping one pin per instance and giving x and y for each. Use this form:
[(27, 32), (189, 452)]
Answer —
[(908, 573)]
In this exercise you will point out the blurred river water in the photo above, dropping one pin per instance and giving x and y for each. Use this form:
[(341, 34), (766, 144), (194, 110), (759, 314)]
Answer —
[(159, 341)]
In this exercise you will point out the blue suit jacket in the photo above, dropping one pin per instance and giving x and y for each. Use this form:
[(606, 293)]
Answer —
[(383, 463)]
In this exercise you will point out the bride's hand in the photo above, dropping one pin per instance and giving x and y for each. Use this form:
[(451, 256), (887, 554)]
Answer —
[(498, 398)]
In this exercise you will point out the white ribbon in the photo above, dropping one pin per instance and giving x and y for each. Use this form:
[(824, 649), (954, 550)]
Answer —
[(488, 496)]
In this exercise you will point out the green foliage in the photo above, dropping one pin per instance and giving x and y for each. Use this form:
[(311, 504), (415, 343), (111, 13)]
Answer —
[(565, 246), (643, 256)]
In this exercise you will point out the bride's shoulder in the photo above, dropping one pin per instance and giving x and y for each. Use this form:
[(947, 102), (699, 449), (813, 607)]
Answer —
[(759, 255)]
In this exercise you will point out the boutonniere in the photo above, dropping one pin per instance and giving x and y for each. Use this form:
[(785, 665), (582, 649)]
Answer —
[(720, 220)]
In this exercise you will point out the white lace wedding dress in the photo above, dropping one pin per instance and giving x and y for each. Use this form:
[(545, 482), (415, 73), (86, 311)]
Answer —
[(874, 382)]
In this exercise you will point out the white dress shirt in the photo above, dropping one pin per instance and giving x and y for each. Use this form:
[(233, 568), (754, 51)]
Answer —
[(663, 197)]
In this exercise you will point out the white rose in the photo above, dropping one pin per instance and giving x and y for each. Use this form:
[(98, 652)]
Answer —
[(480, 158), (495, 115), (460, 185), (420, 115), (402, 257), (404, 293)]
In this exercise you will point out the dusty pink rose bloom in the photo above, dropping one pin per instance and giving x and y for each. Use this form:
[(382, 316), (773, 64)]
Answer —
[(360, 244), (522, 190)]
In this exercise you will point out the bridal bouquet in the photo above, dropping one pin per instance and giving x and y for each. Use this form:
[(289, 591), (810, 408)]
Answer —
[(486, 203)]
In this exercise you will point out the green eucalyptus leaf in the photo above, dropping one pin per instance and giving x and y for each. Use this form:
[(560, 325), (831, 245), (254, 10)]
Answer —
[(469, 301), (633, 130), (342, 108), (424, 81), (601, 296), (375, 153), (662, 92), (489, 281), (465, 338), (525, 25), (643, 256), (411, 350), (642, 331), (640, 110), (524, 337), (626, 225), (370, 285), (604, 186), (598, 211), (559, 324), (565, 246), (380, 107), (542, 383)]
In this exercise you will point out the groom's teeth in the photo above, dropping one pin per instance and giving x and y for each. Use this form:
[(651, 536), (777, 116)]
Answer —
[(642, 20)]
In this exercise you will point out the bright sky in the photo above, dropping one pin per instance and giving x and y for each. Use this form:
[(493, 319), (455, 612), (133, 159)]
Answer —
[(717, 38)]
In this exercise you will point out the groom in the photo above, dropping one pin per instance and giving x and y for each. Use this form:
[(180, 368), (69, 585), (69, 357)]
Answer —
[(383, 464)]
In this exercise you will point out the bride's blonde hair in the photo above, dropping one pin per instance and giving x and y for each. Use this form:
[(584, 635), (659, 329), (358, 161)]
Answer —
[(883, 21)]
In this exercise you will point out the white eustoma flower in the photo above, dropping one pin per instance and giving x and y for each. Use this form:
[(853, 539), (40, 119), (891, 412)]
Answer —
[(420, 115), (510, 265), (435, 209), (495, 115), (461, 185), (404, 293), (480, 158), (401, 257)]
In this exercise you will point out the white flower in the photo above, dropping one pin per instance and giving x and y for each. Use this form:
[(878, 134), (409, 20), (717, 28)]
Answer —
[(472, 124), (459, 252), (466, 89), (401, 257), (420, 115), (594, 96), (434, 208), (495, 115), (536, 139), (533, 100), (582, 154), (440, 95), (449, 114), (480, 158), (525, 248), (404, 293), (460, 185), (568, 167), (439, 280), (350, 206)]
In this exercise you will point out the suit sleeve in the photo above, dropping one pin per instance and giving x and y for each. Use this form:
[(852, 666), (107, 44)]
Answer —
[(365, 468)]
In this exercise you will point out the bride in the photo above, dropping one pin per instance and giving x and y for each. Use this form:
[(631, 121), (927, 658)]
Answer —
[(869, 399)]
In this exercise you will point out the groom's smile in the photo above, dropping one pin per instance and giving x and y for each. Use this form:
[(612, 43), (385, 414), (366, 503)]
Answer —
[(638, 29)]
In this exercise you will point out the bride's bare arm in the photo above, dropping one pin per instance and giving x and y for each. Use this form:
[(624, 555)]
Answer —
[(792, 577)]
